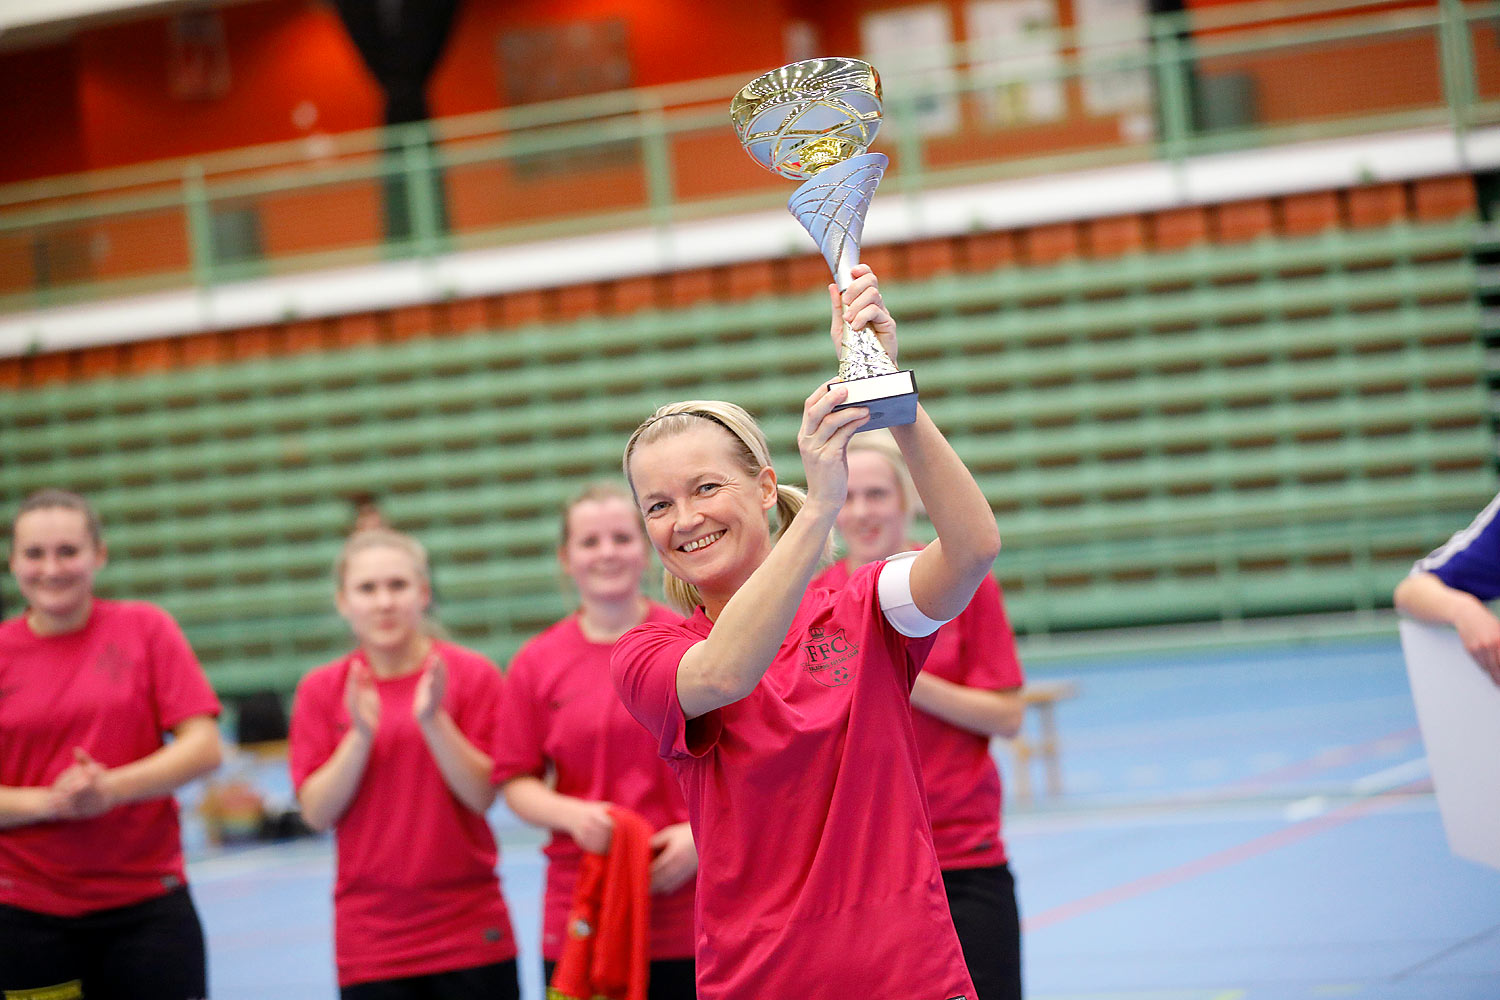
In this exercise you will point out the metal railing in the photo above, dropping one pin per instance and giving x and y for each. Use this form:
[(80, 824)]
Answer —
[(1166, 88)]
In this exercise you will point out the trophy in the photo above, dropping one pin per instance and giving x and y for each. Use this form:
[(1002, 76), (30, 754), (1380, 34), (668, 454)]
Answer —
[(812, 121)]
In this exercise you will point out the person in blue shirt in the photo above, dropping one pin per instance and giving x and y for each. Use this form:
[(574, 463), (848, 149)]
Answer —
[(1452, 585)]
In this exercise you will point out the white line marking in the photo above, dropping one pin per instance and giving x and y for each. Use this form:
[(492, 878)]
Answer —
[(1400, 774), (1303, 809)]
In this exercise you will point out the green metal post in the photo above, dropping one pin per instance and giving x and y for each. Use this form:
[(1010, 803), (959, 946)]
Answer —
[(421, 189), (1174, 108), (661, 184), (1456, 49), (200, 224), (904, 115)]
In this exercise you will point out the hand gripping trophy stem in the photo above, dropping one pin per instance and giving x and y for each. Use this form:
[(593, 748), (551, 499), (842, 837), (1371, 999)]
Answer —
[(812, 121)]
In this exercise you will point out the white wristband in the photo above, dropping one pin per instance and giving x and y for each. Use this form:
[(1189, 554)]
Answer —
[(900, 610)]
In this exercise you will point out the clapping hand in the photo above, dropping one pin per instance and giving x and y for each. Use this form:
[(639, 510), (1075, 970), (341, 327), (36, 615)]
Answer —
[(430, 691), (362, 701)]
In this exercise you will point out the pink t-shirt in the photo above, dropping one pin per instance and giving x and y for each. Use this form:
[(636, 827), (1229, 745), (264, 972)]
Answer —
[(416, 891), (977, 649), (817, 873), (557, 708), (114, 687)]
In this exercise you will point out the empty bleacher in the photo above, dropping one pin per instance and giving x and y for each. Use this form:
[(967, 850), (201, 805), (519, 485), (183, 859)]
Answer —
[(1210, 433)]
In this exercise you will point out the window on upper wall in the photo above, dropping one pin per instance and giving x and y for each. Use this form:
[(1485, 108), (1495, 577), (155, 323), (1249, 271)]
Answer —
[(1113, 30), (1013, 47), (916, 45)]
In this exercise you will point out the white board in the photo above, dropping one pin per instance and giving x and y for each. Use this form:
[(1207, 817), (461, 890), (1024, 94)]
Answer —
[(1458, 708)]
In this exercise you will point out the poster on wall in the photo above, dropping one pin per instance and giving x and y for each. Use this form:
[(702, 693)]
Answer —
[(1014, 51), (198, 67), (914, 45), (1113, 31), (554, 62)]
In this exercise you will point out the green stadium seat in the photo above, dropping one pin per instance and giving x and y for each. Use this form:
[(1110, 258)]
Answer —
[(1218, 432)]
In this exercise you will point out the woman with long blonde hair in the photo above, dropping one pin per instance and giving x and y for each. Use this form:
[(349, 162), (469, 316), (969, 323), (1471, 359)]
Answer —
[(784, 709)]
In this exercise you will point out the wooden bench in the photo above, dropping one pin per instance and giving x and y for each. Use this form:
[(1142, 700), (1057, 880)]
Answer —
[(1042, 696)]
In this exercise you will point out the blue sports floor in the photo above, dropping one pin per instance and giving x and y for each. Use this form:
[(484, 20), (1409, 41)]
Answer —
[(1236, 825)]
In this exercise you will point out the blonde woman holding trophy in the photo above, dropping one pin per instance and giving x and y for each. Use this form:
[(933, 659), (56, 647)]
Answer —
[(784, 710)]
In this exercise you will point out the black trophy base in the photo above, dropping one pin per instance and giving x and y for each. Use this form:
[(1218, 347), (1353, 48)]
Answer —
[(891, 398)]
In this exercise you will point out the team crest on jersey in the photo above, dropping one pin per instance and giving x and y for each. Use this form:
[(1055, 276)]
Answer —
[(826, 654), (111, 662)]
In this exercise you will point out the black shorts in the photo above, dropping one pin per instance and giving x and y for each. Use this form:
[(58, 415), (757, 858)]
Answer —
[(671, 979), (481, 982), (983, 904), (145, 951)]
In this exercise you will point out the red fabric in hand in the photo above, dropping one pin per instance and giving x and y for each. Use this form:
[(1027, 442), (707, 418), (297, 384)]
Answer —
[(607, 952)]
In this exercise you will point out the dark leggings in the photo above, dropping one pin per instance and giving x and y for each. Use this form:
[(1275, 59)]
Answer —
[(983, 904), (145, 951), (483, 982), (671, 979)]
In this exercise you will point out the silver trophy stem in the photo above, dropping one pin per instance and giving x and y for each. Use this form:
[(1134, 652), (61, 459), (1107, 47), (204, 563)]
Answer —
[(862, 355), (831, 206)]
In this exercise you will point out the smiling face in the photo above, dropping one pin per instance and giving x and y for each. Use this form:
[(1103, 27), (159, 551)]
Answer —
[(874, 521), (605, 552), (54, 558), (705, 514), (383, 597)]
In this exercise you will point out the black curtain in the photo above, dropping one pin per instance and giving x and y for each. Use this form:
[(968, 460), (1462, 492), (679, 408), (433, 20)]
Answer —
[(401, 42)]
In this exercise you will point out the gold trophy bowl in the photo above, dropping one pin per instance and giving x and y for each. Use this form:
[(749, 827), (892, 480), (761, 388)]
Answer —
[(813, 121)]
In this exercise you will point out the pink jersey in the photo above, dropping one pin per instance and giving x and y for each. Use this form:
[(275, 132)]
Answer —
[(113, 687), (416, 891), (558, 709), (817, 874), (977, 649)]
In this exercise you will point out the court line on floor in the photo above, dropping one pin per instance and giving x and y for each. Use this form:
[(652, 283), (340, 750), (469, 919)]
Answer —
[(1208, 993), (1452, 949), (1220, 860), (1323, 761)]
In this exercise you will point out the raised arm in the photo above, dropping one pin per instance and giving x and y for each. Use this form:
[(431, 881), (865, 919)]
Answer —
[(1425, 596), (946, 573), (749, 628)]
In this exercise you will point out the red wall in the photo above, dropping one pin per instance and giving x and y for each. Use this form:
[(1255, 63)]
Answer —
[(104, 99), (108, 102), (670, 41), (282, 53), (39, 114)]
